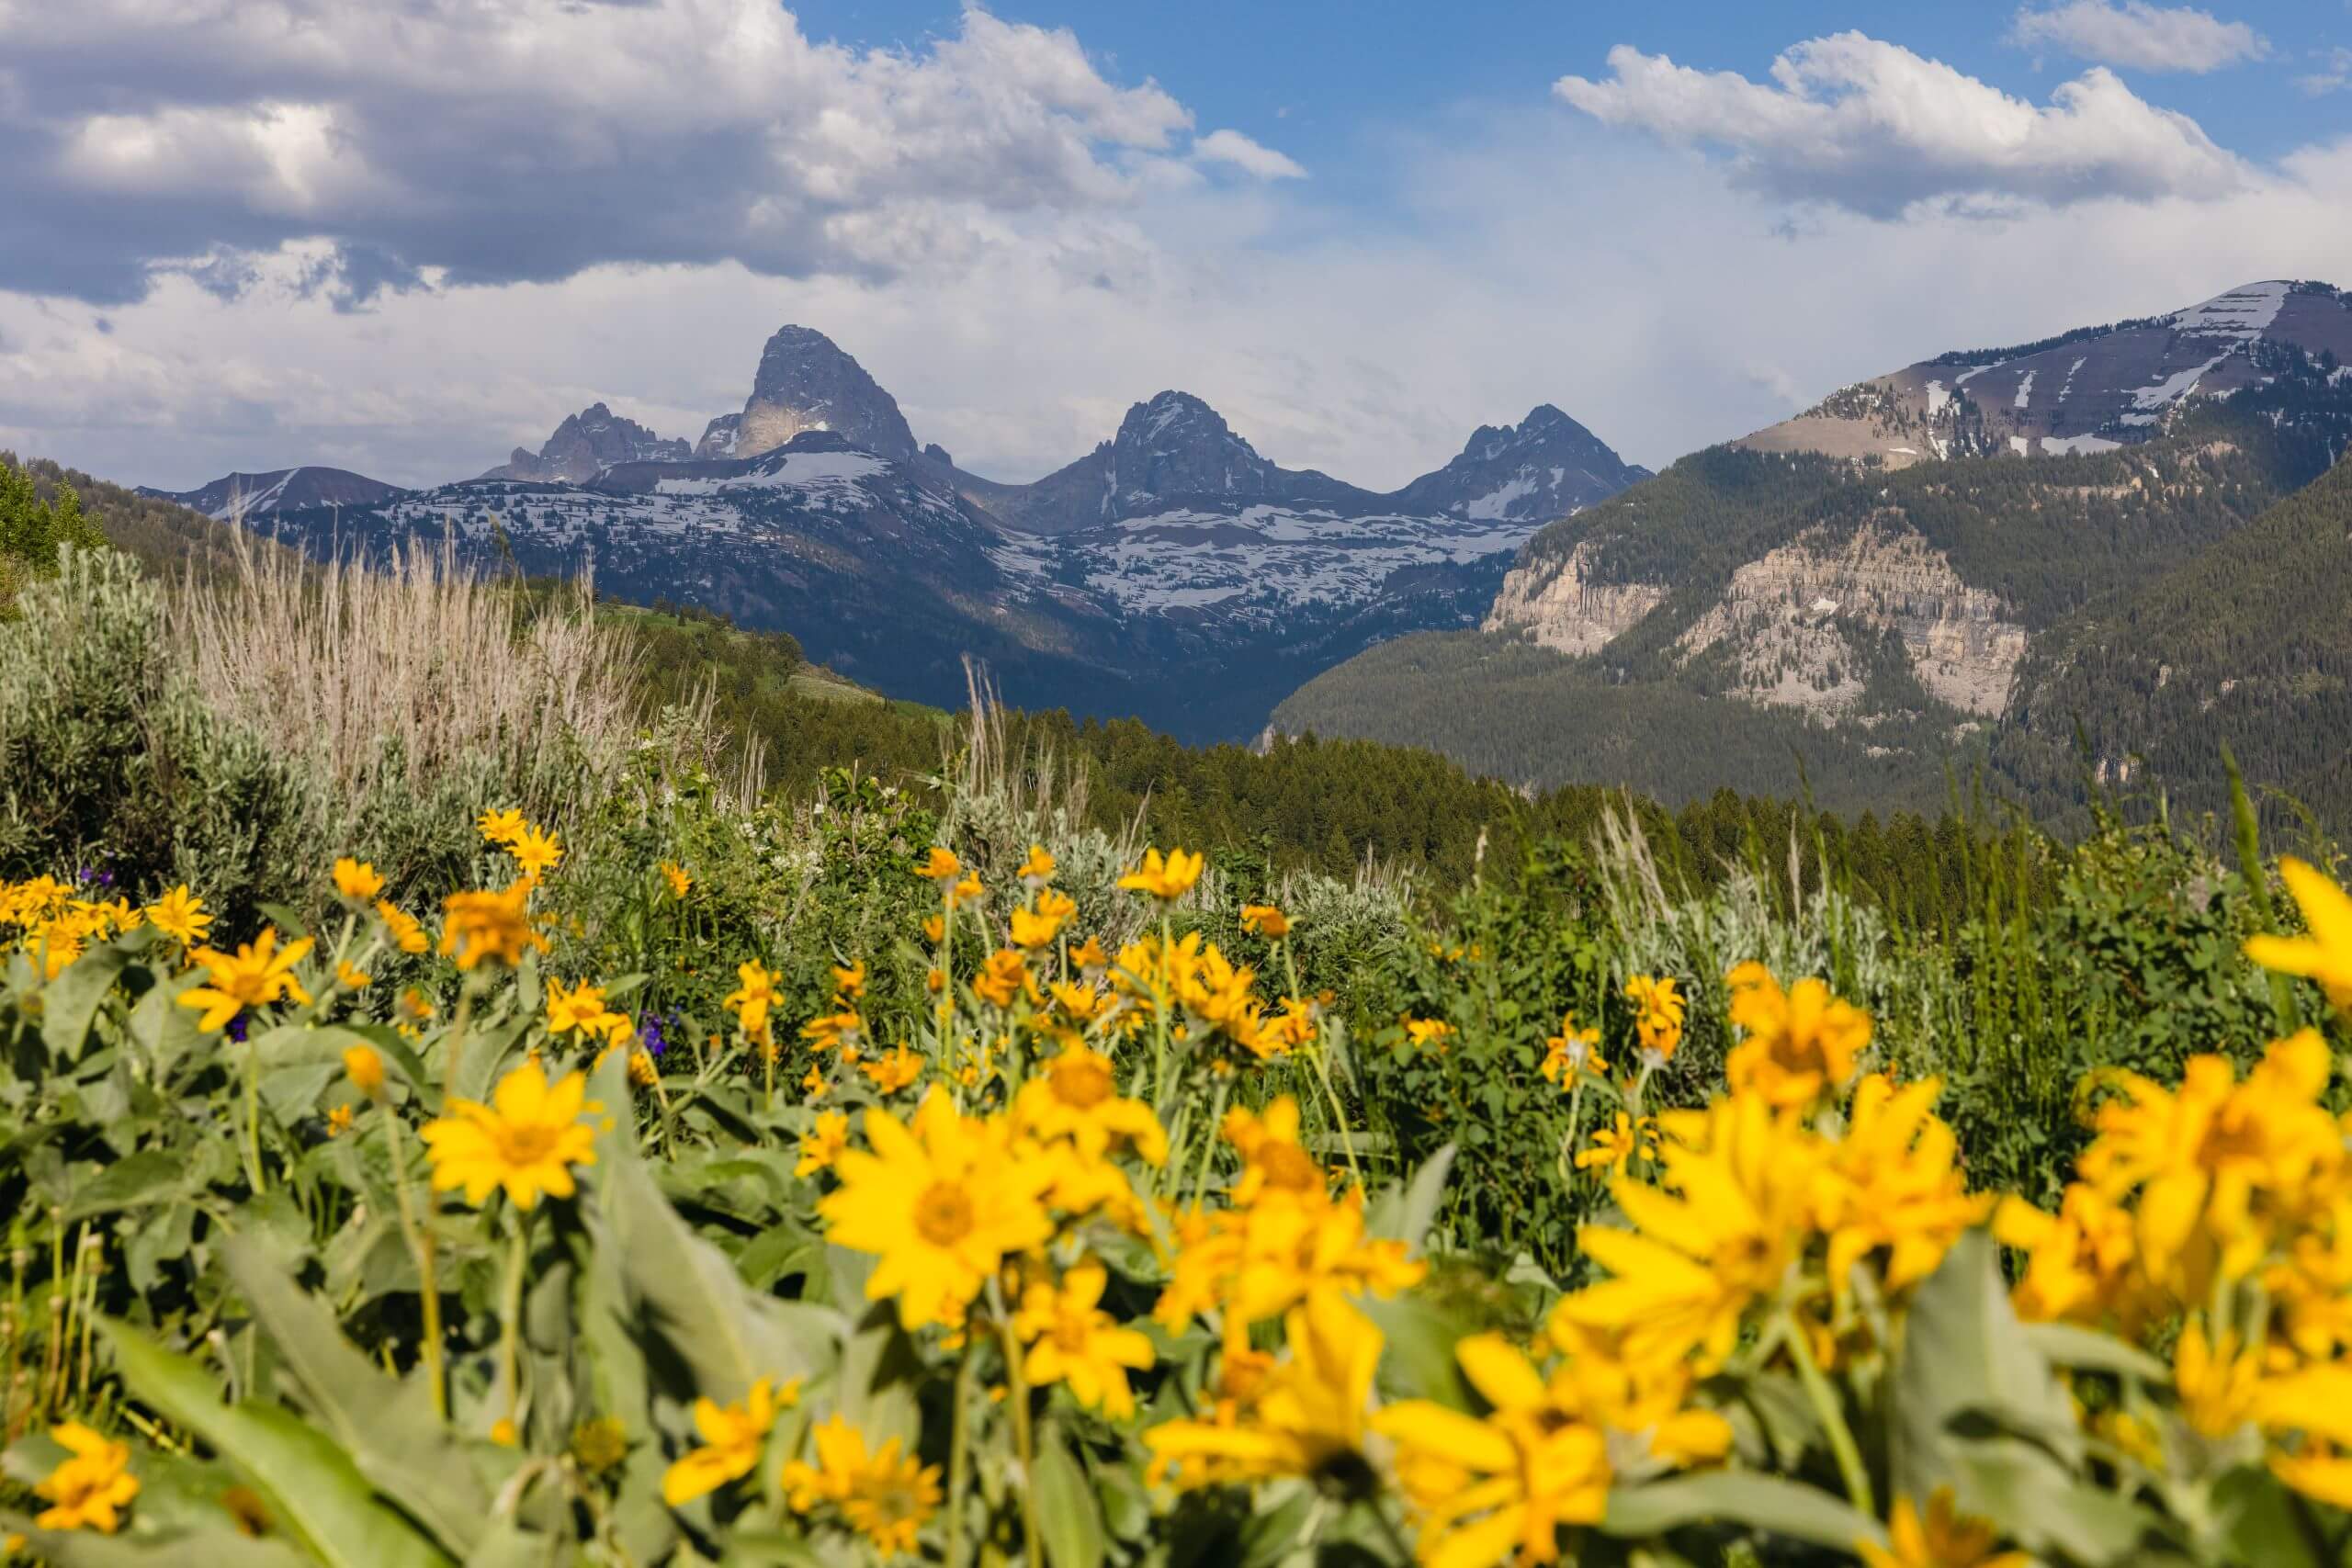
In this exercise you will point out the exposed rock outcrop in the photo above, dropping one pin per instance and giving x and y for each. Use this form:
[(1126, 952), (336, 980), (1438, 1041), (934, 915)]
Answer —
[(1557, 603)]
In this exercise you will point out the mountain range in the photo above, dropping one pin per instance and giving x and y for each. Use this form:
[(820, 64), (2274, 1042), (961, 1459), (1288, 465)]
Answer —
[(1172, 574), (1952, 568)]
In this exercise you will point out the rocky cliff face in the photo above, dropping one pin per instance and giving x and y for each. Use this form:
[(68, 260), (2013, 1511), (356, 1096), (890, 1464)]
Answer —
[(1799, 623), (1557, 603), (806, 382), (587, 442)]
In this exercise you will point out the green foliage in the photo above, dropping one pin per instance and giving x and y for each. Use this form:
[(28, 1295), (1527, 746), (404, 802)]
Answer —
[(113, 763)]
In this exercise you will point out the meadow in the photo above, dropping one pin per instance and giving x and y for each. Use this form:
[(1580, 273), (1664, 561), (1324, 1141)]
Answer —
[(454, 1110)]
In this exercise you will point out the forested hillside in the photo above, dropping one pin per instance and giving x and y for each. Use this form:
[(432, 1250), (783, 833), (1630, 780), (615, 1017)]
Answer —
[(2247, 646), (1748, 618)]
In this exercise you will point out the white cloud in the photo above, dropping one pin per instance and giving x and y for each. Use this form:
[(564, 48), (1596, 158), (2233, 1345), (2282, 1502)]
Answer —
[(1850, 121), (508, 139), (2333, 76), (1694, 315), (2139, 36), (1249, 157)]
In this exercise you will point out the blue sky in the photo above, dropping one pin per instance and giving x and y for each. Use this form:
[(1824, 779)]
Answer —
[(403, 237)]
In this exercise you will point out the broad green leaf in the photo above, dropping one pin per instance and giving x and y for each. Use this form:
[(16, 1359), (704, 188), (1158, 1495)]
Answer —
[(309, 1485), (1972, 1404), (1765, 1503), (1070, 1522), (409, 1455), (72, 1000), (1419, 1361), (1407, 1214), (683, 1287), (225, 1548), (149, 1176), (2086, 1350)]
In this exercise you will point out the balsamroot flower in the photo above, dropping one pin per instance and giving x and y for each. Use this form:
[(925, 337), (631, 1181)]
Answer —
[(1801, 1044), (1657, 1016), (2326, 954), (406, 932), (1266, 920), (256, 975), (489, 927), (1165, 878), (356, 879), (942, 1203), (750, 1001), (1072, 1340), (1942, 1537), (525, 1141), (884, 1496), (734, 1436), (1306, 1417), (180, 915), (91, 1486)]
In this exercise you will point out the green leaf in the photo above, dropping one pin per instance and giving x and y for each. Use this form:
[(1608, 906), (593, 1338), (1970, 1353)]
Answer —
[(71, 1001), (397, 1444), (149, 1176), (1407, 1216), (685, 1288), (2086, 1349), (87, 1548), (1764, 1502), (1972, 1404), (309, 1485), (1419, 1361), (1072, 1525)]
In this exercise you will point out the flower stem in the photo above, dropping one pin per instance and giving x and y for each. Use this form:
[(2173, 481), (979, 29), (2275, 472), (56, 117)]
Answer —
[(959, 1456), (1033, 1533), (420, 1241), (1833, 1420), (510, 1316)]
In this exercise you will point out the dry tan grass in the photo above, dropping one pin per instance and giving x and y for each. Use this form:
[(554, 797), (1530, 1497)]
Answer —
[(408, 670)]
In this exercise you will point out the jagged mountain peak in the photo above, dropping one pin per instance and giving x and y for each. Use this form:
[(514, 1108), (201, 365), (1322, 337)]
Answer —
[(587, 442), (805, 381), (1547, 465)]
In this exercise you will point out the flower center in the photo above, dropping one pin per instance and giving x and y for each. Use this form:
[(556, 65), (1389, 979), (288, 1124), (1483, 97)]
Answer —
[(1070, 1336), (942, 1215), (1287, 1167), (1081, 1085), (527, 1144)]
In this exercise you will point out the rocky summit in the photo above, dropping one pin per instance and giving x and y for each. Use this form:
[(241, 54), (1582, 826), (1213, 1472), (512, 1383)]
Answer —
[(1173, 540)]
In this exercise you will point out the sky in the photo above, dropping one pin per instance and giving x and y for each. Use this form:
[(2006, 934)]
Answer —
[(404, 236)]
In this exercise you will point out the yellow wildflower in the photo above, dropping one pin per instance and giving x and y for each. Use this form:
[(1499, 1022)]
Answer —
[(1570, 1052), (490, 926), (180, 915), (1305, 1417), (1484, 1489), (351, 977), (89, 1489), (1658, 1011), (356, 879), (1894, 1184), (527, 1140), (365, 1067), (643, 1071), (1426, 1032), (894, 1070), (1077, 1097), (501, 828), (580, 1007), (1722, 1237), (1801, 1044), (732, 1438), (822, 1145), (1168, 877), (1037, 927), (942, 1205), (850, 982), (2326, 953), (883, 1495), (1004, 976), (1072, 1340), (339, 1121), (1941, 1537), (751, 1001), (676, 876), (1266, 920), (536, 852), (407, 933), (1038, 869), (1620, 1143), (942, 866), (257, 973)]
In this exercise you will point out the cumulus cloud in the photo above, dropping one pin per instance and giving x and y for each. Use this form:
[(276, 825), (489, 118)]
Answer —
[(1853, 122), (1249, 157), (526, 140), (2140, 37)]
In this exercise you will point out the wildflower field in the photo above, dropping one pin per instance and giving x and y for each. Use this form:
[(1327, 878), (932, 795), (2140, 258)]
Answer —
[(448, 1117)]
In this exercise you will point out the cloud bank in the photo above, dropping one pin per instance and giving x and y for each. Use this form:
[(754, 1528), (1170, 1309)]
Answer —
[(2140, 37)]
